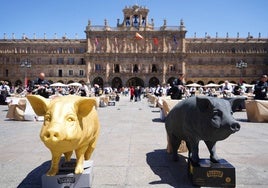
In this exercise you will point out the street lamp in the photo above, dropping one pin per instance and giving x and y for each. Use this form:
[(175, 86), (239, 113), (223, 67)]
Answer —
[(25, 64), (241, 65)]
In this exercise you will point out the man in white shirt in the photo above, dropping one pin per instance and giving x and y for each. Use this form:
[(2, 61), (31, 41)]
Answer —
[(227, 89)]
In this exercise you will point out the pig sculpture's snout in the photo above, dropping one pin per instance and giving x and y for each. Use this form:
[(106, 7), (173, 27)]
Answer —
[(52, 135), (235, 127)]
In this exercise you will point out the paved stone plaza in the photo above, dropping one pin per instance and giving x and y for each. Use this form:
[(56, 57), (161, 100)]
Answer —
[(131, 151)]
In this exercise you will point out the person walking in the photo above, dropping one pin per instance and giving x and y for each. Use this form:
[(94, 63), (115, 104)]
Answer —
[(261, 88)]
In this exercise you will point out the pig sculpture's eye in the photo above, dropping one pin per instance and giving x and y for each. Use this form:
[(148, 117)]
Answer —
[(70, 119), (217, 113)]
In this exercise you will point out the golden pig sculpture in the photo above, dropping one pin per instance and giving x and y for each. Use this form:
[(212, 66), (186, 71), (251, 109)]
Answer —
[(70, 124)]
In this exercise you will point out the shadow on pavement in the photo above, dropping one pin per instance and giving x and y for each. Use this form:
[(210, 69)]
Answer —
[(241, 119), (172, 173), (157, 120), (34, 178)]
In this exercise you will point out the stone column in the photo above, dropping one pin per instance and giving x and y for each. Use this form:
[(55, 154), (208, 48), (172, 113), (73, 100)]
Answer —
[(183, 69), (88, 71), (164, 44), (108, 46), (164, 72)]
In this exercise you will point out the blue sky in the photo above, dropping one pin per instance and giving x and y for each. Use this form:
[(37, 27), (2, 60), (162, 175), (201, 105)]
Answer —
[(71, 16)]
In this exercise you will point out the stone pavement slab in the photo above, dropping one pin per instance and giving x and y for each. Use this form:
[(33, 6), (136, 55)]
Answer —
[(131, 151)]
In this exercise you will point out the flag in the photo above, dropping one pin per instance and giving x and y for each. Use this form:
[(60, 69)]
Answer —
[(96, 41), (25, 82), (115, 41), (138, 36), (175, 40), (155, 41)]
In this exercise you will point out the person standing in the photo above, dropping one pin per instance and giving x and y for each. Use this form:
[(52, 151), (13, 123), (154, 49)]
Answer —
[(227, 89), (158, 91), (177, 88), (41, 85), (131, 93), (261, 88), (84, 91)]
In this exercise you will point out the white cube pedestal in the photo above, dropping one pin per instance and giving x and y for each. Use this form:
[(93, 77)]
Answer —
[(66, 177)]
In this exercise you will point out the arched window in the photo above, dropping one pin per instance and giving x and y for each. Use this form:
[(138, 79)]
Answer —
[(143, 21), (135, 68), (154, 69), (135, 21), (127, 21), (116, 68)]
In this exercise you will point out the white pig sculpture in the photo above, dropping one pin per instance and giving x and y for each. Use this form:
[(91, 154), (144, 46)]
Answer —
[(70, 124)]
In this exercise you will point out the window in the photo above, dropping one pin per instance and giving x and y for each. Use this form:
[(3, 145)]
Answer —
[(154, 69), (135, 68), (135, 21), (81, 72), (127, 21), (71, 72), (71, 61), (60, 50), (60, 73), (82, 50), (116, 68), (143, 21), (71, 50), (171, 68), (97, 67), (60, 61), (82, 61)]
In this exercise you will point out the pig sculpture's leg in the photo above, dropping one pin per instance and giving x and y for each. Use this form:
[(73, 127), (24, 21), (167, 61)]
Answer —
[(175, 143), (54, 168), (169, 148), (91, 147), (193, 152), (89, 151), (80, 160), (212, 150), (68, 156)]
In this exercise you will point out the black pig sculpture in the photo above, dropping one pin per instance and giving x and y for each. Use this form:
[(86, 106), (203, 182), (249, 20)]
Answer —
[(200, 118)]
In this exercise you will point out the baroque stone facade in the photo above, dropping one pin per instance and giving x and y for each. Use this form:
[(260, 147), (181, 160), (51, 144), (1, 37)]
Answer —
[(135, 52)]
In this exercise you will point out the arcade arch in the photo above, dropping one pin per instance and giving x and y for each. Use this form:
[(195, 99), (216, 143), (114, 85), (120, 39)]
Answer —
[(170, 80), (117, 82), (135, 81), (153, 82), (99, 81)]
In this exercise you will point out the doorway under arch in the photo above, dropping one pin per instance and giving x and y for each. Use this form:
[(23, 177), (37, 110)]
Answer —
[(117, 82), (153, 82), (171, 80), (135, 81), (99, 81)]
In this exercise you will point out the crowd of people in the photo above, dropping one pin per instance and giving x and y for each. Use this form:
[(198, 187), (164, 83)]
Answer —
[(176, 90)]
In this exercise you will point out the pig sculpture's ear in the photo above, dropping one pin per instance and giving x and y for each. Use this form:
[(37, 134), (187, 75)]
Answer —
[(85, 105), (38, 103), (203, 104)]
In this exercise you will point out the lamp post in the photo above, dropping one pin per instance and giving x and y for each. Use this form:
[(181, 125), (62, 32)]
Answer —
[(241, 65), (25, 64)]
